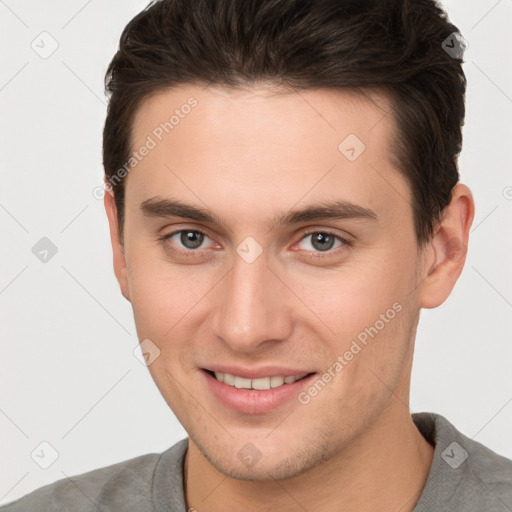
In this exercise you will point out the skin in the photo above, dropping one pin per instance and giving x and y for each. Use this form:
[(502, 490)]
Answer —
[(249, 155)]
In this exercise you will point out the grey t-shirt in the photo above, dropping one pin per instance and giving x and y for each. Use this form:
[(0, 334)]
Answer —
[(465, 476)]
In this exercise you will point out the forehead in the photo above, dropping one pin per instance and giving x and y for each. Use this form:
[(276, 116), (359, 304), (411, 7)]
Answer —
[(289, 115), (238, 146)]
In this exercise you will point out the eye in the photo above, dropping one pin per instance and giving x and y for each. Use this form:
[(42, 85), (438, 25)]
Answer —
[(322, 241), (190, 239)]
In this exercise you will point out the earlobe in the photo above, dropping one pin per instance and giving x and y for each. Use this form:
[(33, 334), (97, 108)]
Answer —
[(449, 247), (117, 245)]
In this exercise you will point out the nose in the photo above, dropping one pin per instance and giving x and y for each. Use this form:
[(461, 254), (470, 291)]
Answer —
[(253, 307)]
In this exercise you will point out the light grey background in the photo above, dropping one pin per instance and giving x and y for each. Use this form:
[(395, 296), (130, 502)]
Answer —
[(68, 373)]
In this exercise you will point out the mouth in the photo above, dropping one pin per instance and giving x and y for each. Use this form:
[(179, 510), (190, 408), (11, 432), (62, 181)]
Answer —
[(260, 383), (259, 394)]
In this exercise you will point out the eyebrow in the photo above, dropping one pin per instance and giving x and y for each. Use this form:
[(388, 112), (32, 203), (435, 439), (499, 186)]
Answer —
[(336, 210)]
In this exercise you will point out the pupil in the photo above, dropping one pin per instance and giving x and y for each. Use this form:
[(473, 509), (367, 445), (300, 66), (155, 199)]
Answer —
[(191, 239), (322, 238)]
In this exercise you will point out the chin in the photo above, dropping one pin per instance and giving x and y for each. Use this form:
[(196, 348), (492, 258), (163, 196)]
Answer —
[(287, 462)]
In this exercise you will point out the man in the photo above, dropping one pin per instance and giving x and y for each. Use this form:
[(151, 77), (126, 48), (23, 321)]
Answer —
[(283, 199)]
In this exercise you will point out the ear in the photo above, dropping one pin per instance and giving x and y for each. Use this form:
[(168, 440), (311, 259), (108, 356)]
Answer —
[(448, 248), (117, 245)]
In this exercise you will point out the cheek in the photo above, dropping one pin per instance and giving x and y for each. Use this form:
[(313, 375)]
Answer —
[(372, 312), (357, 295), (370, 369), (161, 293), (154, 305)]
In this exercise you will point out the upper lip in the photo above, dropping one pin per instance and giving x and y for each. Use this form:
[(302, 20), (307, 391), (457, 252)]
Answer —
[(256, 373)]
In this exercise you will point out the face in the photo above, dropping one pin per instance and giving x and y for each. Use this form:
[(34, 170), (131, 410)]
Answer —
[(268, 235)]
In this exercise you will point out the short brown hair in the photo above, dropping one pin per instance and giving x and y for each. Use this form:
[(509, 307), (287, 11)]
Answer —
[(395, 46)]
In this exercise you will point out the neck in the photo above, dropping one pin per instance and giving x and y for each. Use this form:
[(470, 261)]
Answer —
[(385, 468)]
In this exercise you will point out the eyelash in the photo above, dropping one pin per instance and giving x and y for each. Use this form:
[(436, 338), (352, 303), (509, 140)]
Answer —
[(316, 255)]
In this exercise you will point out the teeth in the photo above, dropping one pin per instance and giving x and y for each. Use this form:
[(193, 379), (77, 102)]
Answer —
[(275, 382), (229, 379), (261, 383), (240, 382)]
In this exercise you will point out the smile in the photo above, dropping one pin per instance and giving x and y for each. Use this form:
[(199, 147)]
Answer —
[(255, 392), (261, 383)]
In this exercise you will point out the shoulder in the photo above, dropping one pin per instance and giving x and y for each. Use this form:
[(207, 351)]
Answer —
[(465, 474), (125, 486)]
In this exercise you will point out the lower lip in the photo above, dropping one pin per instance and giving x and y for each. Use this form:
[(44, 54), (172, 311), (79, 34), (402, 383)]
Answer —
[(253, 401)]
